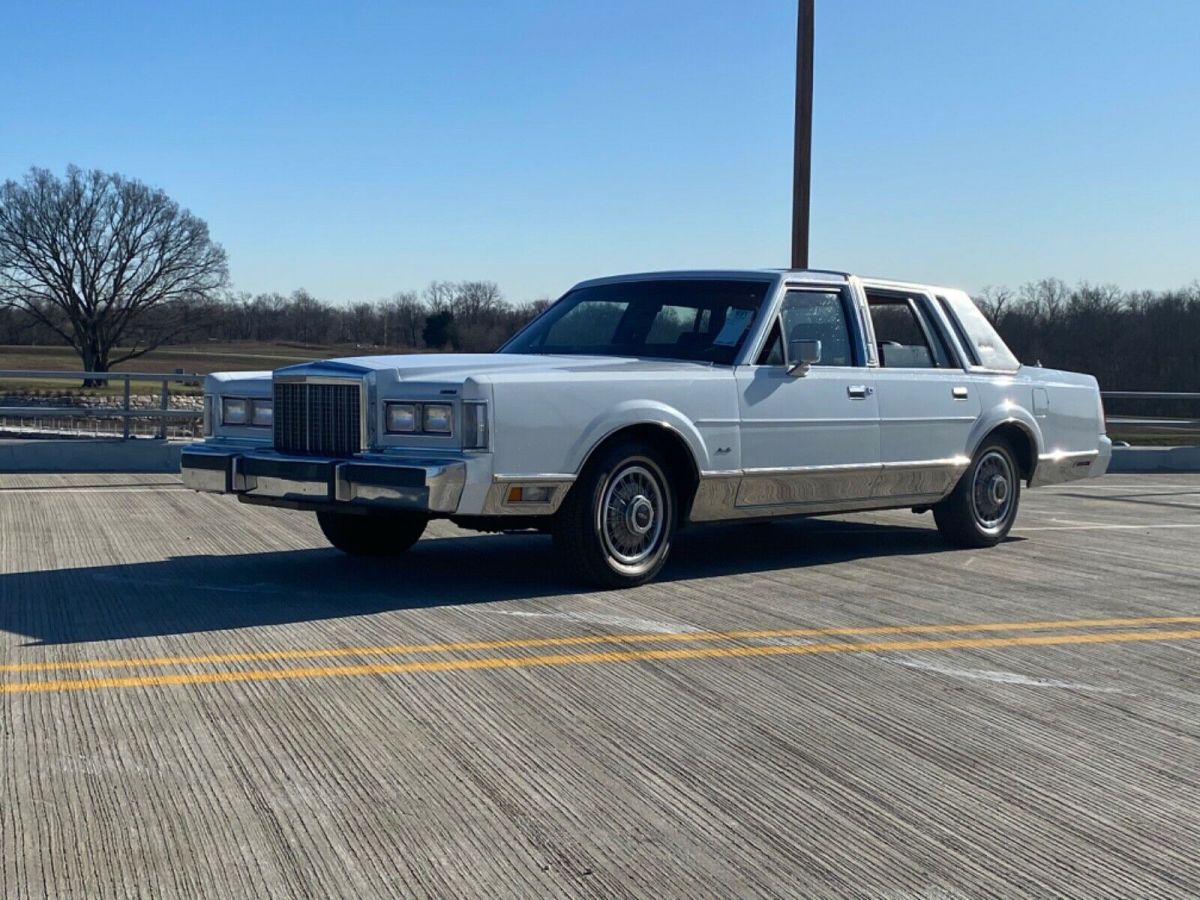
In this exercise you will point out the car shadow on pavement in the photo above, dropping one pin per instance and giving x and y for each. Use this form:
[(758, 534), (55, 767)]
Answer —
[(187, 594)]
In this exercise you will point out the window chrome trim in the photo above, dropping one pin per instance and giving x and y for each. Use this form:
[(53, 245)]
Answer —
[(772, 305)]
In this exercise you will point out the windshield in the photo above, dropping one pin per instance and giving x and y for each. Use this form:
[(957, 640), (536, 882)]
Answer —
[(706, 321)]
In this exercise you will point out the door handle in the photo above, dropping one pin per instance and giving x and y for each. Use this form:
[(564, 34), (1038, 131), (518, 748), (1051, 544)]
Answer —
[(960, 393), (858, 391)]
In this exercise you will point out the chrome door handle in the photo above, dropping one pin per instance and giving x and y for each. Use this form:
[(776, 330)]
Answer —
[(960, 393), (858, 391)]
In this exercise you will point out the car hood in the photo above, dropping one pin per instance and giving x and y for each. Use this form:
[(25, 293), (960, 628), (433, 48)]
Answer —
[(447, 367)]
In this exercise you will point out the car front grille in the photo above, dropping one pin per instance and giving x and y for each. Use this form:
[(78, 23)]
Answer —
[(318, 418)]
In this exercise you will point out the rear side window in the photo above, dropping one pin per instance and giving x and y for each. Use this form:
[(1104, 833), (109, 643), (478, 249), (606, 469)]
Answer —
[(968, 347), (905, 336), (984, 344)]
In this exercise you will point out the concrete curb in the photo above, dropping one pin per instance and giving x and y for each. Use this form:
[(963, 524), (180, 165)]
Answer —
[(101, 455), (1144, 460)]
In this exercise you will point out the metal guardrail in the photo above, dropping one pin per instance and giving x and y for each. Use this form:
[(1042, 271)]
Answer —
[(126, 412), (1144, 426), (1156, 427)]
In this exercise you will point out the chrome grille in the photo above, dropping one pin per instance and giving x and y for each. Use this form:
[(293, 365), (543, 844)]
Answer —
[(319, 418)]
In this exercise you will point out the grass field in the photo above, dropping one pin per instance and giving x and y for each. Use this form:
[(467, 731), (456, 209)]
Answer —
[(190, 358)]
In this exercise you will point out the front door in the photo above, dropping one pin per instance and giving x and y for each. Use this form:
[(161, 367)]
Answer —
[(809, 441)]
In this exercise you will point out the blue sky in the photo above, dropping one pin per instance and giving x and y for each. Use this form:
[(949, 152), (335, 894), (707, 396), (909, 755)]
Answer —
[(357, 149)]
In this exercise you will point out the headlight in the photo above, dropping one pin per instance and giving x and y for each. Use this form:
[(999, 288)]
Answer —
[(262, 413), (437, 418), (234, 411), (401, 418)]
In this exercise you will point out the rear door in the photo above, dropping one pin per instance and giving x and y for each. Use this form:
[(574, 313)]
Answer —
[(809, 440), (927, 403)]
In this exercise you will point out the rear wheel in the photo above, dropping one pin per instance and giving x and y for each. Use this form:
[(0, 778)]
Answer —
[(983, 506), (615, 526), (372, 534)]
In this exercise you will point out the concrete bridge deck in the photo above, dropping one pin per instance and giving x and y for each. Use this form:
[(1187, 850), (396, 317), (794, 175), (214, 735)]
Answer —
[(198, 697)]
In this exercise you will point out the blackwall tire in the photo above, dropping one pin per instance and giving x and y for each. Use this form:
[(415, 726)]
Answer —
[(616, 525), (981, 510), (372, 534)]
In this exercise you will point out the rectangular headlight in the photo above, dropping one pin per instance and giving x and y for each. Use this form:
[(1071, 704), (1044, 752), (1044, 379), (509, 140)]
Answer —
[(437, 418), (401, 418), (262, 413), (475, 425), (234, 411)]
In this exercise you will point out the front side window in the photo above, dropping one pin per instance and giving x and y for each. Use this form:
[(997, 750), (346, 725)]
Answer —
[(814, 316), (691, 319)]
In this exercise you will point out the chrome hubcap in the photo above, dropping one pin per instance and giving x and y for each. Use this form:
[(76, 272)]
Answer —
[(991, 494), (639, 515), (632, 515)]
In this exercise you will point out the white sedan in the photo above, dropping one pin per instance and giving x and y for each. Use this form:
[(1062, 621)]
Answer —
[(638, 404)]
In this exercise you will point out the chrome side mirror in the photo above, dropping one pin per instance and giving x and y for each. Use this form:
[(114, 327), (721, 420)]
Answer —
[(801, 354)]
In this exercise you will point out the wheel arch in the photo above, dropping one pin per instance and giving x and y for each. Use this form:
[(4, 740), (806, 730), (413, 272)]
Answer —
[(671, 443), (1023, 441)]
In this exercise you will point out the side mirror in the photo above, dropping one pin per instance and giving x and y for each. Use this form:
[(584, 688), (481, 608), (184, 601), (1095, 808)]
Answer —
[(802, 354)]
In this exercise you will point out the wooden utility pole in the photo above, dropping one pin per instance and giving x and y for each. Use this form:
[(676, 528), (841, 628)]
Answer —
[(802, 172)]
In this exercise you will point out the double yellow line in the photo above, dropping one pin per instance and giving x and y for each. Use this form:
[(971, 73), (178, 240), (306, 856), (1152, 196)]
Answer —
[(714, 645)]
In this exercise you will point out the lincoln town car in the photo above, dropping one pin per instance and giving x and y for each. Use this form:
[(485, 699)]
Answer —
[(640, 404)]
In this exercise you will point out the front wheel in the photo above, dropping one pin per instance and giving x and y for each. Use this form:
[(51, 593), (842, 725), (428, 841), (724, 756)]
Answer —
[(983, 506), (615, 526), (372, 534)]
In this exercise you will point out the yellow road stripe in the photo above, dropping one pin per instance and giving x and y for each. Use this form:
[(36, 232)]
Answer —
[(575, 659), (585, 640)]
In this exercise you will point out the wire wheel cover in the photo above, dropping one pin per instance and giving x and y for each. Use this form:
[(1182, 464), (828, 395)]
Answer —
[(992, 490), (633, 514)]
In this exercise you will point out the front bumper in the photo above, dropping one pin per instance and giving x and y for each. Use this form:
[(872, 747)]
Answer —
[(426, 485)]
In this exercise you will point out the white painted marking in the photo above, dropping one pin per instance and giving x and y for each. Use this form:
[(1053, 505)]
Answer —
[(94, 490), (999, 677), (623, 622), (1098, 527)]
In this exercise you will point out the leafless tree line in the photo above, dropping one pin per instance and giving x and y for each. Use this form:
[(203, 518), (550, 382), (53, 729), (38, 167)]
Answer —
[(1130, 340), (115, 268), (447, 315)]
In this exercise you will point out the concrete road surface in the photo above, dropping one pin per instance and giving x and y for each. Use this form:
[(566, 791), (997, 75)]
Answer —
[(198, 697)]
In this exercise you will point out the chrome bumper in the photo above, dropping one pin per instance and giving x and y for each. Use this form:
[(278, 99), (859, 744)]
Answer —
[(1057, 468), (422, 485)]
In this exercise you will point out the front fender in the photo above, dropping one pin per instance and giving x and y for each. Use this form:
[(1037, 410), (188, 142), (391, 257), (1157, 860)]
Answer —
[(638, 412)]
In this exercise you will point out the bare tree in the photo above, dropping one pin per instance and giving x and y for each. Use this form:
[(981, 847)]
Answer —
[(310, 317), (994, 301), (403, 319), (439, 296), (102, 261), (477, 300)]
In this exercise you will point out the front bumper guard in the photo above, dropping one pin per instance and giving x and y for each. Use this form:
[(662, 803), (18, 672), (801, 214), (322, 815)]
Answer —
[(422, 485)]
